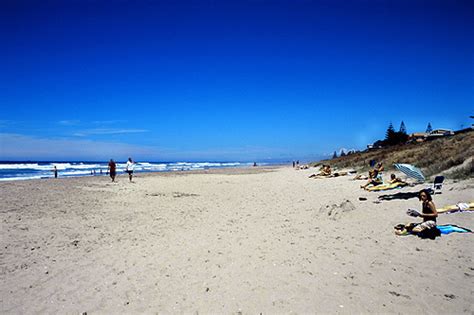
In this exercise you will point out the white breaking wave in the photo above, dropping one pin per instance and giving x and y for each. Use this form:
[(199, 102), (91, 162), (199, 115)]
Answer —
[(22, 171)]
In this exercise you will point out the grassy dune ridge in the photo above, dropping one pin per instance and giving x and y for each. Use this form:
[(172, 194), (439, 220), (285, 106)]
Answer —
[(452, 156)]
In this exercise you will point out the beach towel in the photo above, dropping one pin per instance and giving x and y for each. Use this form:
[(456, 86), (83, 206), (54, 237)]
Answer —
[(386, 186), (450, 228), (459, 207), (431, 233)]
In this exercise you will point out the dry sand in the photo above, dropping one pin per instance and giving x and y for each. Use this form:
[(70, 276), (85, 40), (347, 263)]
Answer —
[(234, 241)]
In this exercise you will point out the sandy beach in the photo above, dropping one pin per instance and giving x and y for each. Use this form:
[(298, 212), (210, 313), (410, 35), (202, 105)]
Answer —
[(234, 241)]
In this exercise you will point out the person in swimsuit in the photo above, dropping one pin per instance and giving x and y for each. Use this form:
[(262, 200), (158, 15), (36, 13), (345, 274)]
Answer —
[(428, 212), (394, 179), (112, 169), (324, 172), (374, 179)]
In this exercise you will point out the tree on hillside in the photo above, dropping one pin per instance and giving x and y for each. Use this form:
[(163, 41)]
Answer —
[(392, 137), (334, 155), (402, 134), (403, 129), (428, 128), (343, 153)]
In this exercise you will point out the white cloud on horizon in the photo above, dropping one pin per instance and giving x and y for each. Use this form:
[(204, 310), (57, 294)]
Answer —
[(25, 147), (108, 122), (71, 122), (106, 131)]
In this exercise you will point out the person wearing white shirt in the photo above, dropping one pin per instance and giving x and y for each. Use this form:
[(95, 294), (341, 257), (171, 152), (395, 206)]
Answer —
[(129, 168)]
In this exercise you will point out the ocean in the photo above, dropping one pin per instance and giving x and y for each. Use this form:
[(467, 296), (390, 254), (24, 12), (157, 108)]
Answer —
[(10, 171)]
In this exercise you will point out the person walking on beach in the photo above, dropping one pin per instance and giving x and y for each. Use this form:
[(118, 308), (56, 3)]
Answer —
[(55, 170), (129, 168), (112, 169)]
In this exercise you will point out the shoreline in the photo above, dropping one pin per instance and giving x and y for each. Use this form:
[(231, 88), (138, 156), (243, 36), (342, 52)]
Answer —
[(139, 172)]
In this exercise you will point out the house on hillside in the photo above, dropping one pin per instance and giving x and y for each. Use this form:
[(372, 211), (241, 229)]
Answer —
[(417, 137), (376, 145), (438, 133)]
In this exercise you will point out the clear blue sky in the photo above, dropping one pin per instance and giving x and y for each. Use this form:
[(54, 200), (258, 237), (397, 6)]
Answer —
[(227, 80)]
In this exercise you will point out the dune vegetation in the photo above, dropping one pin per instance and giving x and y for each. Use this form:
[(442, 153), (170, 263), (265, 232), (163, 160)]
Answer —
[(451, 156)]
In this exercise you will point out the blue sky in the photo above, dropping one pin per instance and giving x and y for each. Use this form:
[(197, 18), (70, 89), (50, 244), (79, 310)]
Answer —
[(218, 80)]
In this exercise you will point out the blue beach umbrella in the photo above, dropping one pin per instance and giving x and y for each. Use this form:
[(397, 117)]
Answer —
[(411, 171)]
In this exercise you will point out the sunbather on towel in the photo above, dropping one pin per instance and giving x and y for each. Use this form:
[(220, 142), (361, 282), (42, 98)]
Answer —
[(462, 206), (394, 179)]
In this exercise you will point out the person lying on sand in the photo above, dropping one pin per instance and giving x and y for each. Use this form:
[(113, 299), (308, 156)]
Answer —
[(361, 177), (394, 179), (374, 179), (459, 207)]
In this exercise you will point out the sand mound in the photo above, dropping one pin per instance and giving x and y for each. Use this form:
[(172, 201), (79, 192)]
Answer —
[(336, 211)]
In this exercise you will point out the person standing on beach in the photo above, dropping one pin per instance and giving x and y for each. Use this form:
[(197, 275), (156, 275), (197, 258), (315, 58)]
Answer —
[(112, 169), (129, 168), (55, 170)]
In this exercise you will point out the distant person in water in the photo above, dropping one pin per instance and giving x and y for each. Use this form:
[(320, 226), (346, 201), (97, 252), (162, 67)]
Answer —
[(129, 168), (112, 169), (55, 170), (254, 164)]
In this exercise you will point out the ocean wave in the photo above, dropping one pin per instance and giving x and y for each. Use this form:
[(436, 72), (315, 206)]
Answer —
[(37, 170)]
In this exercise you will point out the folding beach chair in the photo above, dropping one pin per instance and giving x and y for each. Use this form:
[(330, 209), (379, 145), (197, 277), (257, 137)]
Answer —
[(438, 183)]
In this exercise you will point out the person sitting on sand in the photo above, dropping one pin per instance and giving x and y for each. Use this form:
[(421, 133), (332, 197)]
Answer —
[(374, 179), (379, 167), (324, 172), (428, 212)]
